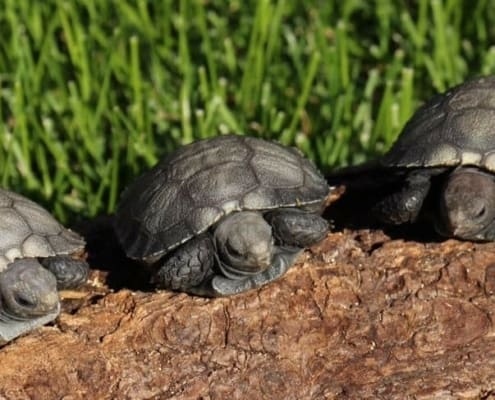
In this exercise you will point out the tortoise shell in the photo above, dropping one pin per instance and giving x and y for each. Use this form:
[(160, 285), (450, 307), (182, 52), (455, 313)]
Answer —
[(27, 230), (453, 128), (195, 186)]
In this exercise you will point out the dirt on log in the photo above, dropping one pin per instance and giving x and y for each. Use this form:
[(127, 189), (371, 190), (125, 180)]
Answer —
[(359, 316)]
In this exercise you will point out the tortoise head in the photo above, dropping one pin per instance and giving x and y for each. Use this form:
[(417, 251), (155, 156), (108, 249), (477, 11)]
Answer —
[(244, 244), (27, 290), (467, 205)]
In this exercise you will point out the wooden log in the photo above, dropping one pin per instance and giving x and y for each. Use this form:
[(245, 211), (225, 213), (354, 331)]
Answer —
[(359, 316)]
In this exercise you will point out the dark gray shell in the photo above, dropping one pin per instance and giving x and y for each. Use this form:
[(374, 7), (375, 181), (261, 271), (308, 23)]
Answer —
[(28, 230), (454, 128), (195, 186)]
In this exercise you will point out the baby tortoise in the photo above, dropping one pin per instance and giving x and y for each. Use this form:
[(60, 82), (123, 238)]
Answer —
[(224, 215), (37, 257), (441, 166)]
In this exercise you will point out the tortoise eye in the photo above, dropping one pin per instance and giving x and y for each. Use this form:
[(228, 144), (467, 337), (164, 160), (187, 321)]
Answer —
[(481, 212), (24, 301), (232, 250)]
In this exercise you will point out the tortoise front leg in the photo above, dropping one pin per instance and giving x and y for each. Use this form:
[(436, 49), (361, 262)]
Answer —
[(405, 204), (69, 272), (293, 227), (189, 266)]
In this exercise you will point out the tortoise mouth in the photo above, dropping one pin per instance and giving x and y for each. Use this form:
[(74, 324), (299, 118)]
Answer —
[(7, 316), (12, 326), (245, 271)]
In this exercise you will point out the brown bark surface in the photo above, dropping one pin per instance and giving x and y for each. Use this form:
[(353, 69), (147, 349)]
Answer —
[(359, 316)]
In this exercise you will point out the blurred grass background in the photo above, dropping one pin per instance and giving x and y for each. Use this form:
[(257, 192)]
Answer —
[(93, 92)]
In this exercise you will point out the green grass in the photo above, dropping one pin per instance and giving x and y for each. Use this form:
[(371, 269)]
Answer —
[(93, 92)]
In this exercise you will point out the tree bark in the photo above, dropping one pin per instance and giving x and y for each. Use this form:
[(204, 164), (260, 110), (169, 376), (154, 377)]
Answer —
[(359, 316)]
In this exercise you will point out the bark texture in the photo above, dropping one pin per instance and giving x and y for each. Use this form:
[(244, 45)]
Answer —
[(359, 316)]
